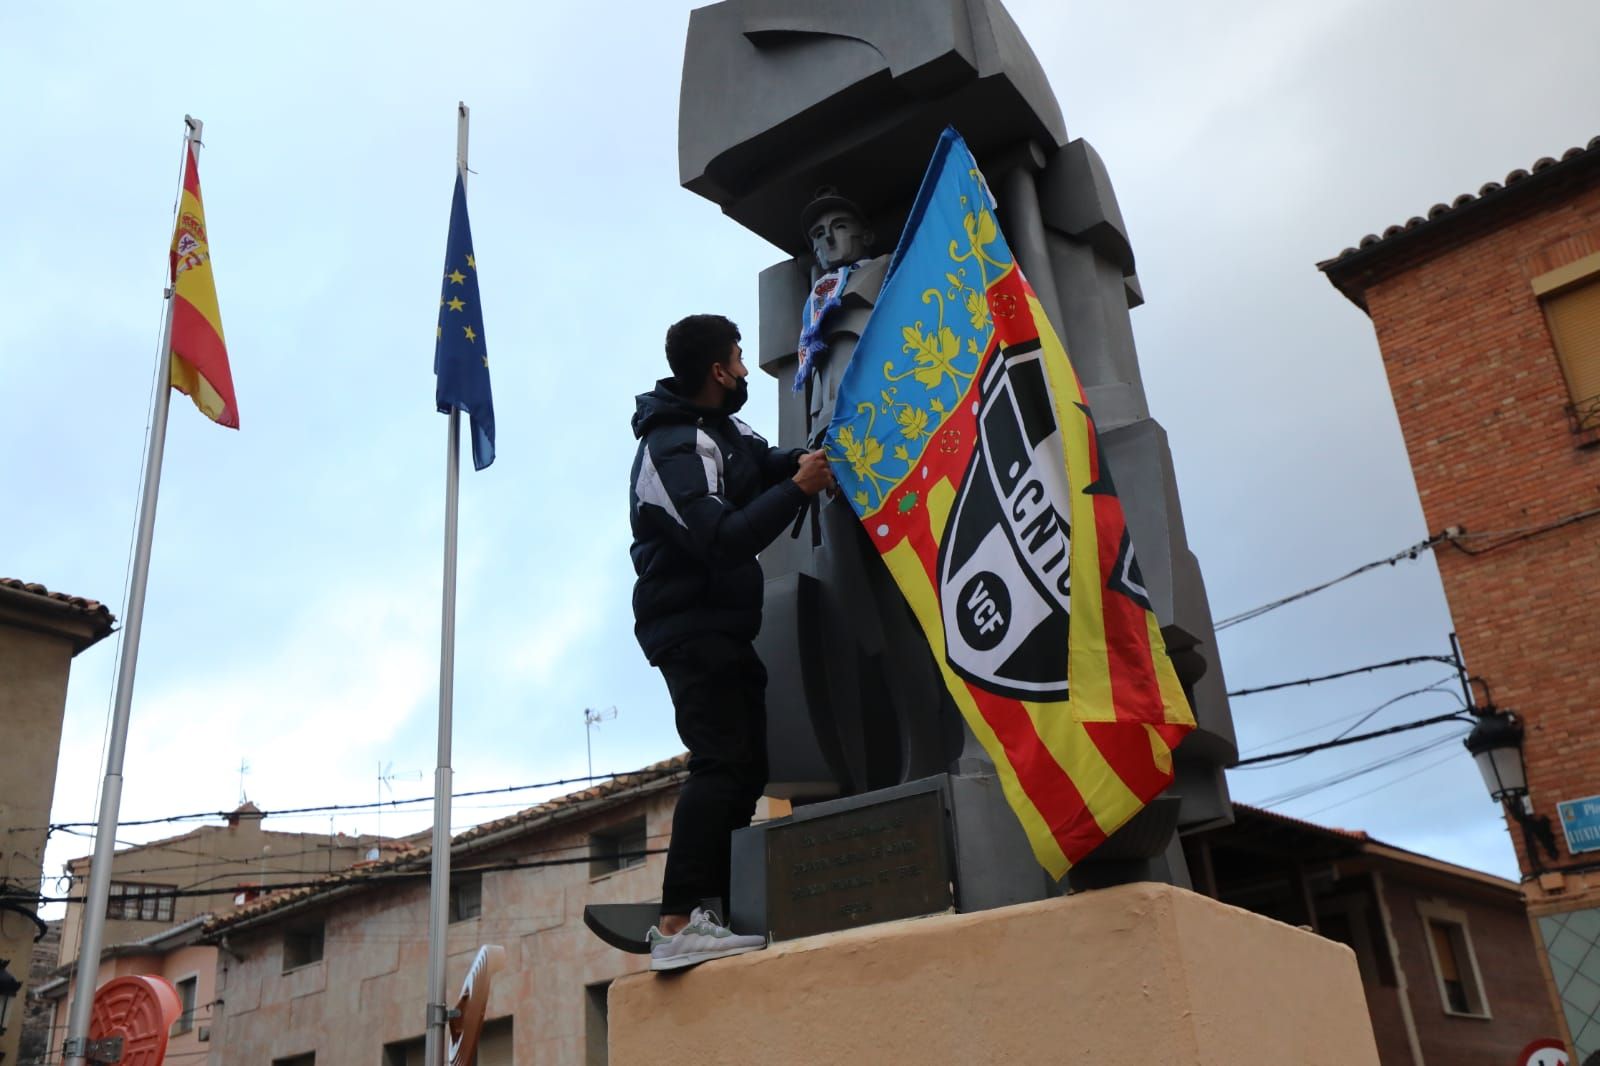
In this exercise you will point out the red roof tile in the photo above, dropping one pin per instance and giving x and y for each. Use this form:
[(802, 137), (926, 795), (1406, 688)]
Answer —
[(1541, 170), (87, 606)]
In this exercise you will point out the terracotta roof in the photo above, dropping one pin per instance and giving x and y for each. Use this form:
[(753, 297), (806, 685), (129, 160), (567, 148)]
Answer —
[(529, 819), (1299, 823), (94, 609), (1512, 187), (1364, 844)]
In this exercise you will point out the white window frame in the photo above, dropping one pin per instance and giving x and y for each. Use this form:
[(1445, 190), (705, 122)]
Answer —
[(1435, 911), (178, 1027)]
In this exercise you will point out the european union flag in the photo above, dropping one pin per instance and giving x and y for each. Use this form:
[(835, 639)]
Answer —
[(460, 359)]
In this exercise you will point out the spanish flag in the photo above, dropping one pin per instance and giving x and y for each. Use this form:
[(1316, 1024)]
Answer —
[(199, 354), (963, 440)]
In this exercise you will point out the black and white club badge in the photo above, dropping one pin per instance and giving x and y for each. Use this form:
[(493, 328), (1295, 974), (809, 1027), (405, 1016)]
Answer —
[(1004, 588)]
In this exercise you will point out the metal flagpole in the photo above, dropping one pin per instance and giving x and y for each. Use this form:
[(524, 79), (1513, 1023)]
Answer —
[(439, 883), (111, 790)]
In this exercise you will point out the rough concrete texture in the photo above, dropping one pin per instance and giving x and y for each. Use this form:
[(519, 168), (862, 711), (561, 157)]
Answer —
[(1139, 974)]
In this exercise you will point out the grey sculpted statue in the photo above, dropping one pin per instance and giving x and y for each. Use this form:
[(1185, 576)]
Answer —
[(781, 99)]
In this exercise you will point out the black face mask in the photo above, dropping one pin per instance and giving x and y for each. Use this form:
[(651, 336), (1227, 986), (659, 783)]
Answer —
[(734, 400)]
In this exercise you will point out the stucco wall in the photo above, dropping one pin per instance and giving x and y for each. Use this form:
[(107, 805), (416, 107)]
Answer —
[(33, 695), (1146, 974), (368, 990), (213, 856)]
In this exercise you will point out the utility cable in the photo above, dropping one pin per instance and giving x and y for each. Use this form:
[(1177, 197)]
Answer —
[(358, 877), (1352, 672), (1453, 716), (1505, 537), (1302, 791), (1256, 612), (1453, 535), (648, 775), (1409, 775), (1366, 716)]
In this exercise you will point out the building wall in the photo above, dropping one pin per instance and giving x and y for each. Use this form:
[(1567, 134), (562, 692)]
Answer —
[(1513, 985), (215, 856), (198, 961), (37, 1035), (375, 952), (1481, 400), (34, 663)]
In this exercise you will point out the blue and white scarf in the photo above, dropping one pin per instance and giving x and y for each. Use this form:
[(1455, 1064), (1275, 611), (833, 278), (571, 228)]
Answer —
[(824, 297)]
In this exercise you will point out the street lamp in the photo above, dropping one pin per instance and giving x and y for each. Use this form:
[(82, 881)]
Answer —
[(1496, 746), (9, 987)]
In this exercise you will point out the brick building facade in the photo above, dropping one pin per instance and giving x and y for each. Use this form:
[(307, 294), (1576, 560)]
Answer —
[(1450, 975), (1487, 313)]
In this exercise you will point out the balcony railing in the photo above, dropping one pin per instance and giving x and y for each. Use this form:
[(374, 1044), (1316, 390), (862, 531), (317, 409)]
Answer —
[(1585, 415)]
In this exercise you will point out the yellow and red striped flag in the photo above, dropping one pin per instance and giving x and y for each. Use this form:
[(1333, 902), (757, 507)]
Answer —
[(199, 354), (962, 438)]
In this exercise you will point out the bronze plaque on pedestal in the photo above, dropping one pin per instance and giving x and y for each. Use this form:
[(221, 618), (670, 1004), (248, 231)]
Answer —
[(874, 863)]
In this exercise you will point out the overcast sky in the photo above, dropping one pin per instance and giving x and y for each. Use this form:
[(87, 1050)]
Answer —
[(293, 609)]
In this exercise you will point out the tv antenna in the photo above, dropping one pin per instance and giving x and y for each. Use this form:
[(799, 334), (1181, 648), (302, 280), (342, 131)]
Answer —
[(591, 719), (386, 779), (244, 768)]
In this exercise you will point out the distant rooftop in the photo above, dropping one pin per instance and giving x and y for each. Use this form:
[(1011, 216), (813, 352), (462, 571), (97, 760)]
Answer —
[(661, 774)]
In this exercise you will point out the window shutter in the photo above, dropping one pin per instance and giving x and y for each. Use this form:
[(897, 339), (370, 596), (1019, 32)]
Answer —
[(494, 1046), (1574, 317)]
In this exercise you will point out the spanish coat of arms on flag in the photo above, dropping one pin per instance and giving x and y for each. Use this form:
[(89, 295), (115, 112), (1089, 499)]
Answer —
[(962, 439)]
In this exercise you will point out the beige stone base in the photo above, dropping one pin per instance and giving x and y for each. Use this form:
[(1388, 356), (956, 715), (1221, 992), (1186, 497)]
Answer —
[(1131, 976)]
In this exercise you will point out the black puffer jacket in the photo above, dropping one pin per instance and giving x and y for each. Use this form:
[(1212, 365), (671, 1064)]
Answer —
[(706, 495)]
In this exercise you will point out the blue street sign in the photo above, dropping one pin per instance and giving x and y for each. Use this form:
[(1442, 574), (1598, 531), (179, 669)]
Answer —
[(1580, 820)]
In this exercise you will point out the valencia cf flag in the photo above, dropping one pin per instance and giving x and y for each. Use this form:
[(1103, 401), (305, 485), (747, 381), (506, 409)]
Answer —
[(962, 439)]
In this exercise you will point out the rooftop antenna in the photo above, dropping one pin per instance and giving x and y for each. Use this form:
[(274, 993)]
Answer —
[(592, 718), (244, 768), (386, 776)]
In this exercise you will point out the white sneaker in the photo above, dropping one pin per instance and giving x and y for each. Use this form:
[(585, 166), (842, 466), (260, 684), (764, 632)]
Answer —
[(703, 939)]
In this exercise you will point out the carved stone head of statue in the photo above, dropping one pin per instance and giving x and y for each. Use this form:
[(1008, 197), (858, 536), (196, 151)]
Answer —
[(836, 229)]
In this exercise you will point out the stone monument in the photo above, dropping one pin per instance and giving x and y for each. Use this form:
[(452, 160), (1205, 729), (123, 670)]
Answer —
[(811, 125), (850, 97), (780, 100)]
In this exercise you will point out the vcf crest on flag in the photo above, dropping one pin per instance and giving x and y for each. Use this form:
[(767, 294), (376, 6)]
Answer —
[(962, 439)]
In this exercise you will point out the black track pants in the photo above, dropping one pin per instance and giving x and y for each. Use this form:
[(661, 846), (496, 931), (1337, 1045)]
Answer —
[(719, 691)]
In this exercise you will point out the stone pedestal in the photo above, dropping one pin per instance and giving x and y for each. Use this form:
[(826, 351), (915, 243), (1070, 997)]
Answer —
[(1137, 975)]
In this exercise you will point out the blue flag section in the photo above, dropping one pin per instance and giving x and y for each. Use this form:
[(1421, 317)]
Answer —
[(460, 358)]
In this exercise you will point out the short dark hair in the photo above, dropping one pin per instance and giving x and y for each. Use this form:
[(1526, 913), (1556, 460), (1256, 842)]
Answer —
[(694, 344)]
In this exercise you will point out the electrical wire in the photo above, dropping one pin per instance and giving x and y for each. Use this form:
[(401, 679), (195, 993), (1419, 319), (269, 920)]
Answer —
[(1360, 719), (1349, 775), (340, 880), (1352, 672), (1409, 775), (647, 775), (1515, 536), (1256, 612), (1454, 716), (1451, 536)]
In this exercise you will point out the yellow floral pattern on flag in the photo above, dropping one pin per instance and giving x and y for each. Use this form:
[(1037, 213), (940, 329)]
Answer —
[(939, 357)]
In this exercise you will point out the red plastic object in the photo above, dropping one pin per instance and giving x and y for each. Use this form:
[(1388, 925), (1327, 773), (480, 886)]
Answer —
[(141, 1010)]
